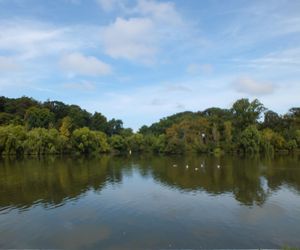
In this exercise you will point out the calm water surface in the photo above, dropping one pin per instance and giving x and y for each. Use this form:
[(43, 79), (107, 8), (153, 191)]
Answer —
[(147, 202)]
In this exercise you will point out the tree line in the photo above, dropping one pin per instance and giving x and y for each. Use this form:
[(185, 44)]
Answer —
[(52, 127)]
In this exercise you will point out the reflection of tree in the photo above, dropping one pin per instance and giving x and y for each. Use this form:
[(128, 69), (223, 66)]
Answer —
[(283, 171), (242, 177), (51, 180)]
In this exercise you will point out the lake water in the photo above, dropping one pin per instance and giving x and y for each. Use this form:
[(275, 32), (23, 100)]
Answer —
[(148, 202)]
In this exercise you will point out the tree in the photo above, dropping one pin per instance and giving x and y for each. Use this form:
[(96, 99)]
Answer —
[(227, 134), (98, 122), (190, 135), (250, 140), (114, 127), (38, 118), (246, 113), (66, 127), (12, 140), (41, 141), (272, 120), (80, 118), (118, 143), (86, 141), (215, 134), (136, 142), (5, 118)]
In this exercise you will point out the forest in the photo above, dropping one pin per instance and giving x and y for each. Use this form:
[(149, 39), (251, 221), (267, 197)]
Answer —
[(30, 127)]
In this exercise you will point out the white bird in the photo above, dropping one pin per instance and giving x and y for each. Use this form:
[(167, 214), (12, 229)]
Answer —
[(201, 165), (218, 166), (187, 166), (174, 165), (196, 169)]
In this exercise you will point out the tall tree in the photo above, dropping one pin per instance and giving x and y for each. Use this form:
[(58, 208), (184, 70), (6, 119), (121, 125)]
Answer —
[(246, 113), (98, 122)]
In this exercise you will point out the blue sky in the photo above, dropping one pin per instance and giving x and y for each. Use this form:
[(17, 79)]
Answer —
[(141, 60)]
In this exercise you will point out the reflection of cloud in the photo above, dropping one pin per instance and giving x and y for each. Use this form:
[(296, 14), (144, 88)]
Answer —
[(249, 86), (84, 236), (256, 214)]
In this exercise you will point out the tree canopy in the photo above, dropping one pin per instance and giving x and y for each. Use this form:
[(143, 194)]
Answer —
[(31, 127)]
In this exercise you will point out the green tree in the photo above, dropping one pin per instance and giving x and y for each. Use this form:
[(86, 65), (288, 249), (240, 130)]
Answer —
[(98, 122), (118, 143), (136, 142), (41, 141), (272, 120), (12, 140), (80, 118), (38, 118), (246, 113), (86, 141), (228, 131), (114, 127), (250, 140)]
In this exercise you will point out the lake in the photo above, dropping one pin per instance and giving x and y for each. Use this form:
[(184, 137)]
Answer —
[(150, 202)]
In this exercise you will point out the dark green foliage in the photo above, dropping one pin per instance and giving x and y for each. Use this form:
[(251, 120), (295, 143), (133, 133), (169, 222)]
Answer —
[(98, 122), (114, 127), (118, 143), (38, 118)]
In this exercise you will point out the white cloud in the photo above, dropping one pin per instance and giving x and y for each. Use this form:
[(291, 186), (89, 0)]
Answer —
[(28, 40), (74, 1), (148, 27), (250, 86), (133, 39), (77, 63), (177, 88), (8, 64), (81, 85), (31, 39), (196, 69), (164, 12), (111, 5)]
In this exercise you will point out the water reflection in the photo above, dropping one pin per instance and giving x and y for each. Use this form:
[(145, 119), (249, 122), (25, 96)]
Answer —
[(54, 181)]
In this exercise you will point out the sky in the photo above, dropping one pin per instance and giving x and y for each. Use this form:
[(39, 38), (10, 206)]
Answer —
[(141, 60)]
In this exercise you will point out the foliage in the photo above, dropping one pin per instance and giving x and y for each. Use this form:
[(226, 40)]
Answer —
[(38, 118), (31, 127), (41, 141), (12, 140), (250, 140), (86, 141), (66, 127), (118, 143), (246, 113)]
